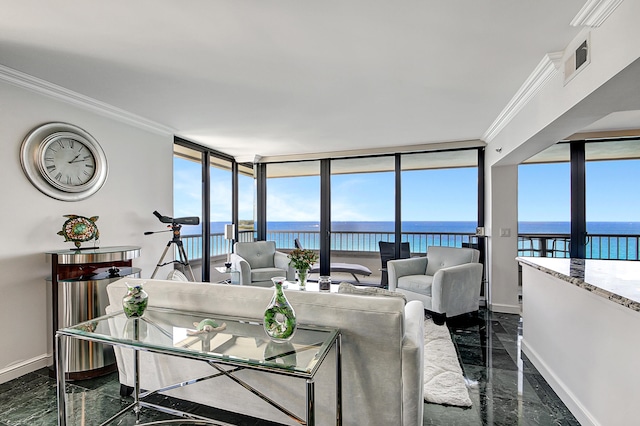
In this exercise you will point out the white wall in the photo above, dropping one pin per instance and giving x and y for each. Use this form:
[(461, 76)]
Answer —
[(610, 83), (503, 231), (140, 181), (585, 346)]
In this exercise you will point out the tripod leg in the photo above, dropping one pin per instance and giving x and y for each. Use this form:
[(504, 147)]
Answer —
[(185, 260), (159, 264)]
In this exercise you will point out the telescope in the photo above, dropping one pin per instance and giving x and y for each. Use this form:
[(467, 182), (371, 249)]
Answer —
[(189, 220), (176, 225)]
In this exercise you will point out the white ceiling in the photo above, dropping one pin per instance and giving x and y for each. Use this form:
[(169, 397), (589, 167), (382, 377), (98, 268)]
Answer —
[(267, 78)]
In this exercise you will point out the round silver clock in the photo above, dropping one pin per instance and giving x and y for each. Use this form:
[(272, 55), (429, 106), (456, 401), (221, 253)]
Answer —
[(63, 161)]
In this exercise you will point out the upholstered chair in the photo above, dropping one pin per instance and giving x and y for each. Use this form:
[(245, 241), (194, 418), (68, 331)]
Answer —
[(447, 281), (259, 261)]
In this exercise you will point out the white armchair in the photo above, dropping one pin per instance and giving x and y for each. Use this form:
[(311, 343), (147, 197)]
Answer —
[(259, 261), (447, 281)]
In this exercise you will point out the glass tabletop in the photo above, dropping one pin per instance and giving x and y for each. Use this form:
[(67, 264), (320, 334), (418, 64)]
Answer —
[(233, 340)]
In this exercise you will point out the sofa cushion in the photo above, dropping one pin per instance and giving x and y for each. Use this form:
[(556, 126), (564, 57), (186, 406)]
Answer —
[(349, 288), (416, 283)]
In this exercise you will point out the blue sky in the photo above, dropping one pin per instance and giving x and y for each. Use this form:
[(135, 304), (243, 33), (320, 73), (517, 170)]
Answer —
[(612, 194), (437, 195)]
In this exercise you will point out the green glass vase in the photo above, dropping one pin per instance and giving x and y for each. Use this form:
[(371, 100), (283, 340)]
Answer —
[(302, 275), (279, 317), (134, 303)]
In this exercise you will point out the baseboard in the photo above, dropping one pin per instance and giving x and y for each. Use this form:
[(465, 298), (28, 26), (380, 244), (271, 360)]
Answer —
[(567, 397), (20, 369), (505, 309)]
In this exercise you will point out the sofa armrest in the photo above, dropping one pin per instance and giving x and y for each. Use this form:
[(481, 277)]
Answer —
[(281, 260), (413, 364), (402, 267), (456, 288), (238, 263)]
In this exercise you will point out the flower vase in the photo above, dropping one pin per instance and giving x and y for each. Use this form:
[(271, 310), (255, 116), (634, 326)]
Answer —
[(302, 275), (134, 303), (279, 317)]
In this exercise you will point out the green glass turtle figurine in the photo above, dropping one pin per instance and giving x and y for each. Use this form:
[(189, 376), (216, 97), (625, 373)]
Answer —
[(79, 229)]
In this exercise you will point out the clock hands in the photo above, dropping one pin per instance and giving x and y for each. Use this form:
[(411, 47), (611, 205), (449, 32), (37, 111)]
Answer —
[(75, 159)]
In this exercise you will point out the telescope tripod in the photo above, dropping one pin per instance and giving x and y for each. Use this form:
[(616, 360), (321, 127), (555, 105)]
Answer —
[(184, 261)]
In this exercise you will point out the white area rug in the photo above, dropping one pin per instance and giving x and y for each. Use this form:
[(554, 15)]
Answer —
[(443, 379)]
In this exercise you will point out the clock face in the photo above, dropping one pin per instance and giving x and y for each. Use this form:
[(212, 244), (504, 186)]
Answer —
[(63, 161), (67, 162)]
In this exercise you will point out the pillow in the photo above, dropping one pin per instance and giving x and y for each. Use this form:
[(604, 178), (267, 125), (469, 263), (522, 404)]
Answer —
[(349, 288), (175, 275)]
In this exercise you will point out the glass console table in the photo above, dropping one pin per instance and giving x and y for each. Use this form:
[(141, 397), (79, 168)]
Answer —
[(242, 344)]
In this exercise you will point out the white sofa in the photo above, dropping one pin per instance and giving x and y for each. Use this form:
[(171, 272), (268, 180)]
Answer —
[(382, 354)]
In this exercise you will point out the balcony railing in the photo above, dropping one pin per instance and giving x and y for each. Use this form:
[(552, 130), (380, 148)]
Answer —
[(601, 246), (340, 241)]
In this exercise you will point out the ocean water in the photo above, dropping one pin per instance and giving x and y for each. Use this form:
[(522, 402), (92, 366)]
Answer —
[(624, 228), (364, 236)]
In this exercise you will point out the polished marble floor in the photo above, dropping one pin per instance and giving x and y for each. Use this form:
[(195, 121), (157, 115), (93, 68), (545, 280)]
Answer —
[(504, 387)]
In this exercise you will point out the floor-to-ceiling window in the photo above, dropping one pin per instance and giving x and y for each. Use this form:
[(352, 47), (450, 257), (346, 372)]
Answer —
[(204, 187), (362, 204), (574, 200), (246, 202), (544, 203), (439, 199), (293, 204), (187, 199), (220, 204), (612, 170)]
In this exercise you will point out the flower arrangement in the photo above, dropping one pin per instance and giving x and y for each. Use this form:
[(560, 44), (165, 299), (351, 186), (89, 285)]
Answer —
[(302, 259)]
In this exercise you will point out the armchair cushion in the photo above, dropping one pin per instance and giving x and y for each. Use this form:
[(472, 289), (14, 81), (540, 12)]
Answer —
[(265, 274), (416, 283)]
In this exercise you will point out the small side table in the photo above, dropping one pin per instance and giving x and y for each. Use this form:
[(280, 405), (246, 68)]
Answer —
[(234, 275), (79, 280)]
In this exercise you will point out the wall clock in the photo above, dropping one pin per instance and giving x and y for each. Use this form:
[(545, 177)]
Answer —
[(63, 161)]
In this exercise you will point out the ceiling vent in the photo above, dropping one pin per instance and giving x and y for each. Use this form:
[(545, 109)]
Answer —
[(577, 60)]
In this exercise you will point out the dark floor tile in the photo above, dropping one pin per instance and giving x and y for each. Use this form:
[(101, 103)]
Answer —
[(497, 327), (498, 411), (439, 415), (495, 357), (550, 399), (98, 382), (469, 336), (504, 386)]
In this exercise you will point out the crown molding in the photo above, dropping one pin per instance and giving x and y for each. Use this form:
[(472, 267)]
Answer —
[(46, 88), (546, 69), (401, 149), (595, 12)]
